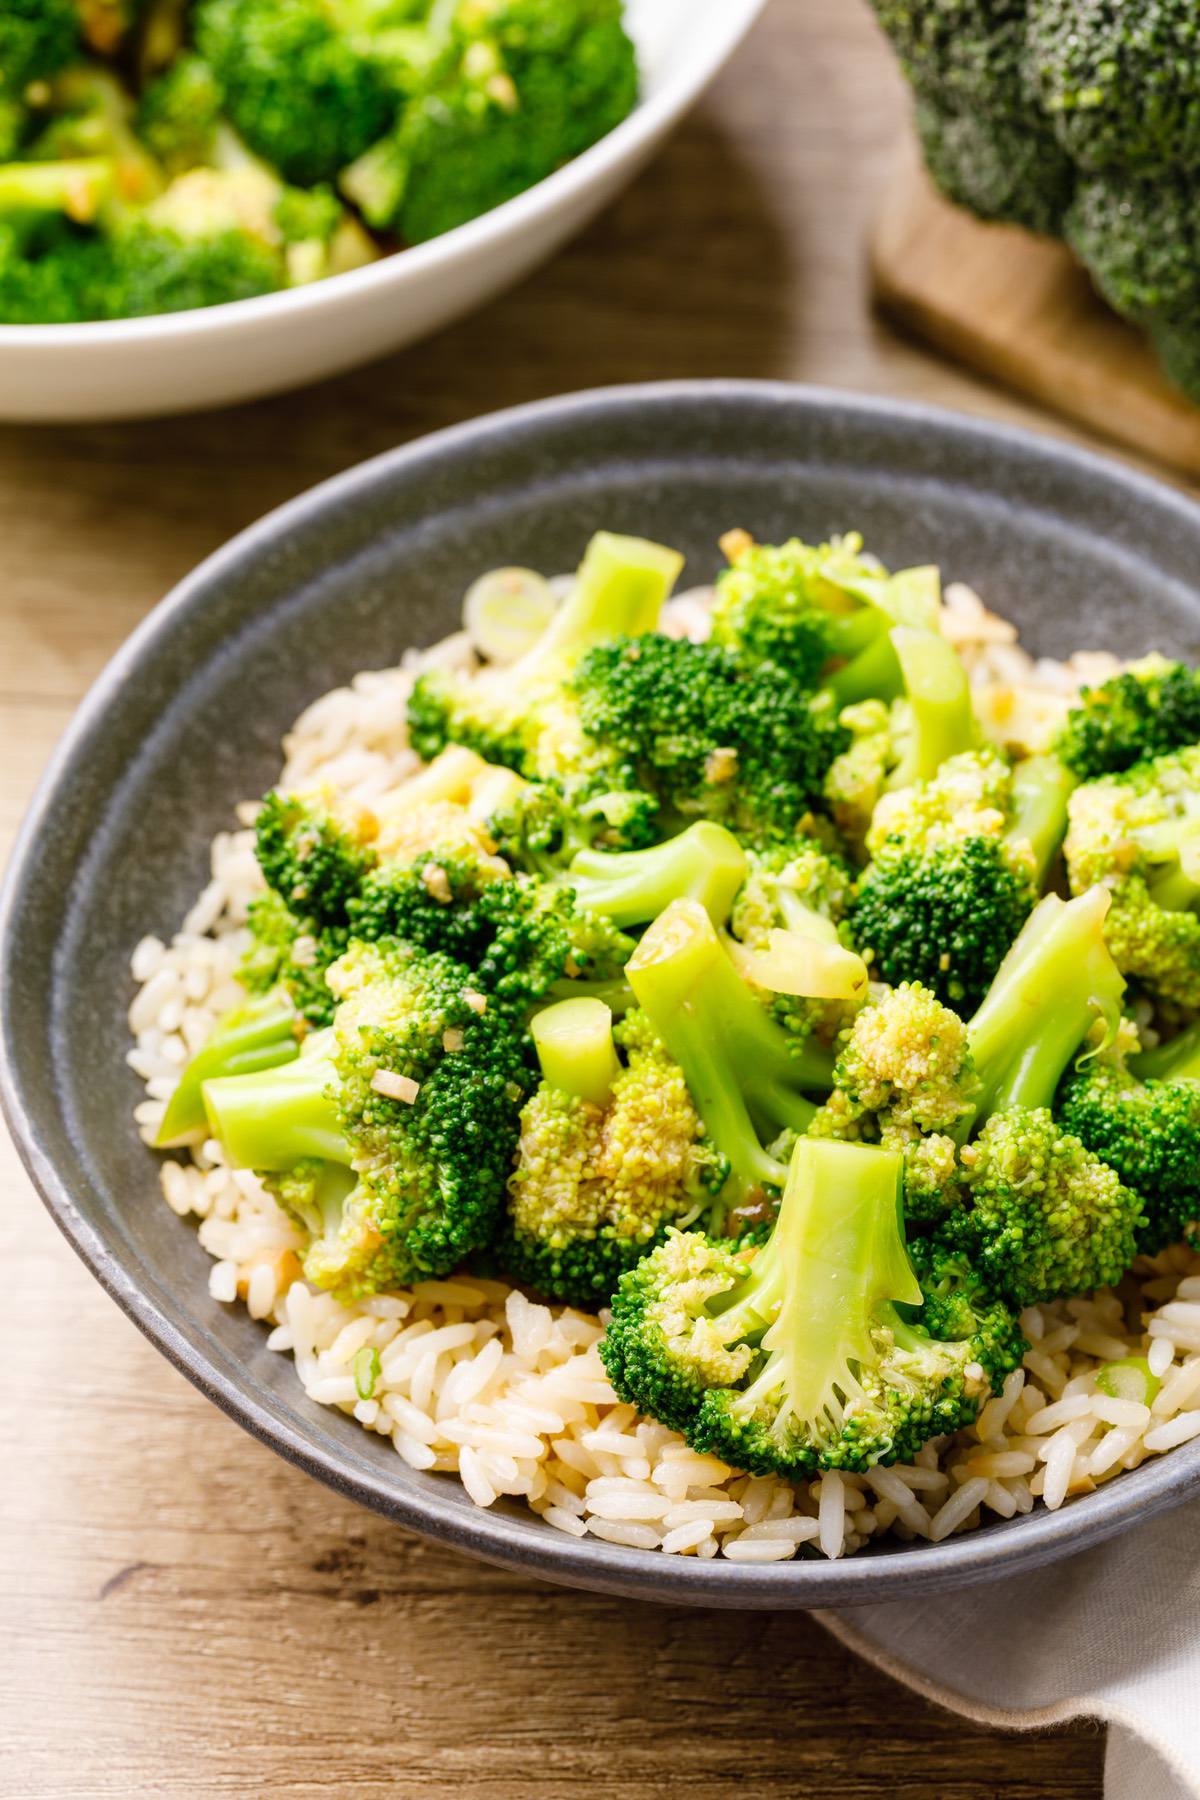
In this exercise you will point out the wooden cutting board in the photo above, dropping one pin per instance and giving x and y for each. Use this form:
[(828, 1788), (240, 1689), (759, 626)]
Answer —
[(1020, 308)]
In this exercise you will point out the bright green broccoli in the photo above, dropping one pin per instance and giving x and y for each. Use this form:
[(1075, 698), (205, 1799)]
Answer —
[(631, 887), (313, 860), (262, 1034), (1138, 835), (517, 88), (1146, 1126), (1146, 711), (179, 114), (611, 1152), (390, 1137), (292, 952), (810, 1352)]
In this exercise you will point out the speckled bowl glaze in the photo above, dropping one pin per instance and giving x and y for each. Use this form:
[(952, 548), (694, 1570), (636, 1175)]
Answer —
[(188, 717)]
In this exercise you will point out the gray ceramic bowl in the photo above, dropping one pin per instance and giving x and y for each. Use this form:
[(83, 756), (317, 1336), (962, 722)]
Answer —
[(188, 717)]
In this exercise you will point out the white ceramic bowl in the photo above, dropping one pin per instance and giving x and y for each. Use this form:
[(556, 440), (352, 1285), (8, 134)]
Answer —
[(136, 368)]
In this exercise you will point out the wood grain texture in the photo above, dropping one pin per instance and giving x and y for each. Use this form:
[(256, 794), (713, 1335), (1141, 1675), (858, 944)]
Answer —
[(182, 1615), (1022, 309)]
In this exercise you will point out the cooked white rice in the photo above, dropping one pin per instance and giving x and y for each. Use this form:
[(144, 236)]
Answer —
[(471, 1378)]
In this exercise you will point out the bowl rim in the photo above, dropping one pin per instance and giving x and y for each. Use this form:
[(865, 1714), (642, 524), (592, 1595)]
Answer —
[(512, 1538), (438, 256)]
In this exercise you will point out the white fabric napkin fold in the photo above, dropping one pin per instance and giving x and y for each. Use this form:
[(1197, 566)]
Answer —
[(1111, 1634)]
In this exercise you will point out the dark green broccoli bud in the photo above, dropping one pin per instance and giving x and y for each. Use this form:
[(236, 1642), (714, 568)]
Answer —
[(1138, 835), (410, 1107), (1120, 82), (1139, 239), (1005, 169), (37, 39), (970, 50), (610, 1154), (1046, 1218), (747, 1081), (293, 953), (711, 736), (957, 864), (314, 861), (1144, 712), (306, 98), (519, 88), (539, 832), (179, 112), (959, 1306), (807, 1353), (265, 1033), (1177, 345), (1148, 1130)]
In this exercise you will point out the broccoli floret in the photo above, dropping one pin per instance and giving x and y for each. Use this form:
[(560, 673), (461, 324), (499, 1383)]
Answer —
[(957, 862), (37, 39), (709, 735), (523, 716), (265, 1033), (315, 861), (1147, 711), (787, 912), (1138, 834), (1139, 239), (1147, 1128), (391, 1136), (631, 887), (610, 1154), (179, 114), (291, 952), (518, 88), (1121, 83), (303, 95), (958, 1305), (747, 1081), (807, 1353)]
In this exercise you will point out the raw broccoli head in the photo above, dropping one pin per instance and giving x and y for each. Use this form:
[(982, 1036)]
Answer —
[(1121, 83), (1142, 713), (1139, 237), (305, 97), (808, 1353), (600, 1175), (519, 88), (1045, 1218), (1007, 169), (37, 39), (1138, 835), (709, 735), (1147, 1130), (391, 1136)]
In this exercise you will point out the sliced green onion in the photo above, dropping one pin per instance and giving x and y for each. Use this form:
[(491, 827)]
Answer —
[(506, 611), (366, 1371), (1130, 1379)]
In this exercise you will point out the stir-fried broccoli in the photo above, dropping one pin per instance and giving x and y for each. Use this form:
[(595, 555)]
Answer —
[(810, 1352), (1138, 835), (610, 1154), (1148, 710), (517, 88), (390, 1137), (180, 113), (631, 887), (291, 952), (1143, 1118), (37, 39), (315, 861), (263, 1034)]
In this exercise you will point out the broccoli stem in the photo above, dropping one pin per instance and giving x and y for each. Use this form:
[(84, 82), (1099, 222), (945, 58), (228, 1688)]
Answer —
[(737, 1063), (834, 1265), (76, 189), (1176, 1060), (258, 1036), (1057, 977), (281, 1117), (704, 863), (912, 597), (1176, 884), (574, 1044), (1041, 788), (874, 674), (939, 696), (619, 591)]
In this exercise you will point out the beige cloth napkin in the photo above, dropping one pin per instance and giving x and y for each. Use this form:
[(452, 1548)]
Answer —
[(1112, 1634)]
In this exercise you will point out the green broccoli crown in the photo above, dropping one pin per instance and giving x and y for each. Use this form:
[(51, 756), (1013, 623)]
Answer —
[(1006, 168), (291, 952), (314, 861), (1138, 835), (519, 88), (595, 1185), (1145, 712), (1121, 83), (795, 605), (1147, 1131), (710, 735), (179, 112), (1138, 236), (959, 1306), (1045, 1218), (414, 1095), (303, 96), (906, 1062), (37, 39), (807, 1353)]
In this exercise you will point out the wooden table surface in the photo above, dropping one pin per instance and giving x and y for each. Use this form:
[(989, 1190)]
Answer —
[(183, 1614)]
